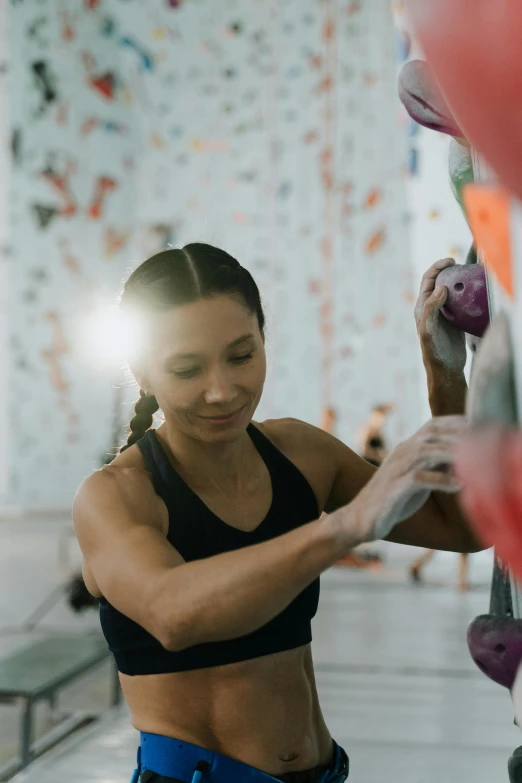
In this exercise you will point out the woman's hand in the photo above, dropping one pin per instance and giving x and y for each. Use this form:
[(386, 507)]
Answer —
[(443, 345), (406, 478)]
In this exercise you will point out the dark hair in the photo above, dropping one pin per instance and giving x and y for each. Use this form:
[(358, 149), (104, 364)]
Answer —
[(176, 277)]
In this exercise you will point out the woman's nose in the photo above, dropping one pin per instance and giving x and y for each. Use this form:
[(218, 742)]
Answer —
[(219, 389)]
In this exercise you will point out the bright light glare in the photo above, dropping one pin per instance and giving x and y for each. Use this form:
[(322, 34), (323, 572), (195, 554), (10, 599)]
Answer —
[(109, 337)]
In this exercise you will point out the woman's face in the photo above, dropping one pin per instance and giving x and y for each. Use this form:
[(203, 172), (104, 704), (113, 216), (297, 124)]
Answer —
[(208, 367)]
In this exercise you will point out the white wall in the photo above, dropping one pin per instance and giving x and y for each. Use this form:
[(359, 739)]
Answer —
[(4, 254), (270, 128)]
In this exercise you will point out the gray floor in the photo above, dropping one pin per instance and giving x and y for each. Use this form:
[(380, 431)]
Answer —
[(397, 686)]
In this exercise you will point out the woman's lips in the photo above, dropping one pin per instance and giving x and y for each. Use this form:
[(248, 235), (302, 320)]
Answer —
[(232, 417)]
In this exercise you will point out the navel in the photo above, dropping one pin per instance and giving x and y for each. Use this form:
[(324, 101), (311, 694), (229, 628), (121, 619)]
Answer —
[(288, 757)]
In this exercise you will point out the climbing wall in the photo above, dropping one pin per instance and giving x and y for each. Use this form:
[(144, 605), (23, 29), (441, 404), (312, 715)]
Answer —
[(269, 128)]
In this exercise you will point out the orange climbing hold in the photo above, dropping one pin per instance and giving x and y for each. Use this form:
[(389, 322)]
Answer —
[(488, 210), (372, 198), (375, 241)]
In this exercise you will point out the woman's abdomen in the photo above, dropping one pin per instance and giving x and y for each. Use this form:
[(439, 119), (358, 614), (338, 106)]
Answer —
[(264, 712)]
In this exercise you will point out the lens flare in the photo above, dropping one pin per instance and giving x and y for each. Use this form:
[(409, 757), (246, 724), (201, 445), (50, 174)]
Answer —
[(109, 337)]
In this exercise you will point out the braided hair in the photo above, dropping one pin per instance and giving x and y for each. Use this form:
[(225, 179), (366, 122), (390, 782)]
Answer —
[(144, 410), (179, 276)]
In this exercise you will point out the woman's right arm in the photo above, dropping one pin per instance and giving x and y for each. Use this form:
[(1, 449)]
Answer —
[(234, 593), (182, 604)]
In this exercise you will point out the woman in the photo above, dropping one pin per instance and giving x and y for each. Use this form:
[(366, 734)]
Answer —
[(204, 540)]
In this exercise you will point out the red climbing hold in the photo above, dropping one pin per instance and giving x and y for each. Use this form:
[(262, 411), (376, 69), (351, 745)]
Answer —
[(489, 467), (474, 49), (105, 85)]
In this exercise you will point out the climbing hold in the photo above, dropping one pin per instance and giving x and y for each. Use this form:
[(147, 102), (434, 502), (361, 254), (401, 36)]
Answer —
[(492, 398), (489, 213), (488, 465), (423, 99), (495, 644), (473, 47), (466, 306)]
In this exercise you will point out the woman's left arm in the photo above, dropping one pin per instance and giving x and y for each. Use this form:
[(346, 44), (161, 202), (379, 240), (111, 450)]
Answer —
[(439, 524), (443, 346), (444, 355)]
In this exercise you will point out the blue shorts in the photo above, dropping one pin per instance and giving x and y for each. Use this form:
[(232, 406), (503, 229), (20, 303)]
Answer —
[(182, 762)]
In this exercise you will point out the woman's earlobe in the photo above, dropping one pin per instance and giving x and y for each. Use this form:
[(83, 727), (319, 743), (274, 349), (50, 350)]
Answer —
[(141, 380)]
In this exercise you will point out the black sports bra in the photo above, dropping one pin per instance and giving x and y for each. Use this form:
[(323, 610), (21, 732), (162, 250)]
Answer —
[(196, 532)]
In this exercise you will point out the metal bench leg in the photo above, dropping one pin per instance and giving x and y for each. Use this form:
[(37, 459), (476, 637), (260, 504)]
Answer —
[(27, 731), (52, 701), (116, 688)]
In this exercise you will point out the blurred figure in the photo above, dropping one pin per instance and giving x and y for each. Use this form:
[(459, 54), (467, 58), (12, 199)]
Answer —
[(420, 562), (373, 446)]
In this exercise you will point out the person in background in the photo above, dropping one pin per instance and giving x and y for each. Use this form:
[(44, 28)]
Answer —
[(373, 444), (372, 447), (420, 562)]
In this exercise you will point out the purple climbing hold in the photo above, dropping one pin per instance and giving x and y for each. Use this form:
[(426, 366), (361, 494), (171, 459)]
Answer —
[(467, 305), (495, 644), (423, 99)]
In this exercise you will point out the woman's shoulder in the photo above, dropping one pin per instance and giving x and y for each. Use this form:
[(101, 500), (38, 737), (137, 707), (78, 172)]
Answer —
[(294, 434), (131, 458), (125, 484), (127, 476), (308, 447)]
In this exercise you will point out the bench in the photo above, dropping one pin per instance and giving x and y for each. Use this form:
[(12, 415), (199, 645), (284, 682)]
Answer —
[(38, 672)]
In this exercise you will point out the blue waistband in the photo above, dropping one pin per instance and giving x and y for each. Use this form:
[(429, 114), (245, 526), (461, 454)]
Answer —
[(174, 758)]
